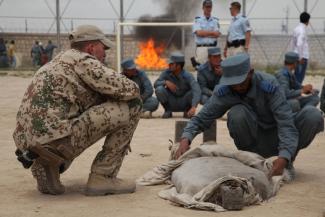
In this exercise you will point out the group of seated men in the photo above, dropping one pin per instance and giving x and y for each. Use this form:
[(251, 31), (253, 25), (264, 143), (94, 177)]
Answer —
[(176, 89)]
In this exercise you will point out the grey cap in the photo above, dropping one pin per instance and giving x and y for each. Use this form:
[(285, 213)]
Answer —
[(89, 33), (176, 57), (207, 2), (291, 57), (235, 69), (214, 51), (128, 64)]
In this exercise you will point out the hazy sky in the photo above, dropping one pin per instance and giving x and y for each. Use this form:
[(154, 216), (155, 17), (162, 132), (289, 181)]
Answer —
[(266, 15)]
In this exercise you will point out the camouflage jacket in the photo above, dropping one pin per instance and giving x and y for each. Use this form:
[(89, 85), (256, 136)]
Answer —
[(61, 91)]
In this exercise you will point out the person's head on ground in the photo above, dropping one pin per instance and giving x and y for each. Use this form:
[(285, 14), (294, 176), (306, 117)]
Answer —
[(207, 8), (176, 62), (12, 42), (237, 73), (291, 60), (214, 56), (49, 42), (36, 42), (304, 18), (235, 8), (90, 39), (2, 41), (129, 67)]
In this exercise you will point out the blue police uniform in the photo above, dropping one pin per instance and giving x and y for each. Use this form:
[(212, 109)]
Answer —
[(207, 80), (187, 95), (292, 90), (322, 98), (150, 103), (238, 28), (207, 24), (260, 121)]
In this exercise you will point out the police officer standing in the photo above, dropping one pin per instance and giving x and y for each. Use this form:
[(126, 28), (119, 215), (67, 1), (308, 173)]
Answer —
[(259, 119), (150, 103), (71, 103), (239, 33), (209, 73), (293, 90), (206, 30), (176, 89)]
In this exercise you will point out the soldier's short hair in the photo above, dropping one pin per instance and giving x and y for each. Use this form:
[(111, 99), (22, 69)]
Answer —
[(236, 5), (80, 45)]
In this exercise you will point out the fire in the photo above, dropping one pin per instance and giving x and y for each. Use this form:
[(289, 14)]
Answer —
[(149, 57)]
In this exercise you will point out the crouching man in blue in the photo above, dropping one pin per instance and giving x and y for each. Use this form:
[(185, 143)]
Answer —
[(209, 73), (176, 89), (260, 119), (150, 103), (293, 90)]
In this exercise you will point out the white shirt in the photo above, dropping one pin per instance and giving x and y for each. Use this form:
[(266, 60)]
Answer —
[(299, 43)]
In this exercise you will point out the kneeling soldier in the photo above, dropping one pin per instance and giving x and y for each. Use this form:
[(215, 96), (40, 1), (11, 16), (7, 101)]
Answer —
[(71, 103)]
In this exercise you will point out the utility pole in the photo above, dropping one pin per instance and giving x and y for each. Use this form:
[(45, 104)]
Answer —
[(122, 28), (26, 26), (287, 20), (244, 7), (58, 35), (306, 6)]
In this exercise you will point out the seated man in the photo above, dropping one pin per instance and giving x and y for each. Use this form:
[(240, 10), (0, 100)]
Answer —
[(176, 89), (209, 73), (293, 90), (322, 98), (259, 119), (130, 70), (71, 103)]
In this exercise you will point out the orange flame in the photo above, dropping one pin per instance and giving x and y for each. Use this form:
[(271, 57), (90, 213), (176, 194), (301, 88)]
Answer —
[(149, 57)]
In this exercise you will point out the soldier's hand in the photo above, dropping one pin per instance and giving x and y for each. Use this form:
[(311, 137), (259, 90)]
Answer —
[(171, 86), (184, 146), (218, 70), (191, 112), (278, 167), (302, 61), (306, 89)]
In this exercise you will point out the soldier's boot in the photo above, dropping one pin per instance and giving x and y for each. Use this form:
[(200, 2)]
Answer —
[(100, 185), (167, 113), (46, 168), (48, 178)]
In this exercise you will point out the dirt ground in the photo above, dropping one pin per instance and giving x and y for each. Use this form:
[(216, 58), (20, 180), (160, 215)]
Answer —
[(19, 197)]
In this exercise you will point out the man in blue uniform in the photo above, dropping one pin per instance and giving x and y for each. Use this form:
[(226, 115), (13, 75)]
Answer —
[(298, 95), (239, 33), (150, 103), (206, 32), (260, 119), (176, 89), (209, 73)]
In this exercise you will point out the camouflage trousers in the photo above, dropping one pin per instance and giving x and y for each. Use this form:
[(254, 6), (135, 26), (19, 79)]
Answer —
[(115, 120)]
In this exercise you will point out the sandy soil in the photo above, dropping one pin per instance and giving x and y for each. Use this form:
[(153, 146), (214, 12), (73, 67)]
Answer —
[(19, 197)]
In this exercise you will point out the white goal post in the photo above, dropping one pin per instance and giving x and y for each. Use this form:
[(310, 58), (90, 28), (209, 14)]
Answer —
[(120, 24)]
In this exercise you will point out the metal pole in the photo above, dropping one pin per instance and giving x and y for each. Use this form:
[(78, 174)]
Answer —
[(121, 27), (58, 35), (183, 39), (26, 26), (244, 7), (306, 5), (118, 48)]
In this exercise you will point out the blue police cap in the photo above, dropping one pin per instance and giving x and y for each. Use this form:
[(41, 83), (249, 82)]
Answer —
[(128, 64), (176, 57), (207, 2), (214, 51), (235, 69), (291, 57)]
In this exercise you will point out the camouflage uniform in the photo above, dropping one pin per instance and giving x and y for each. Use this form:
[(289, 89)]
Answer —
[(77, 100)]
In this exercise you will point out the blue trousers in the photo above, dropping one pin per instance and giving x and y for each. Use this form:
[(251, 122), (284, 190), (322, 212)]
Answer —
[(174, 103), (248, 136), (151, 104), (301, 71)]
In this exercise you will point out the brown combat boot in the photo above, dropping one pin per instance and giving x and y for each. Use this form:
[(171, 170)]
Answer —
[(47, 177), (100, 185)]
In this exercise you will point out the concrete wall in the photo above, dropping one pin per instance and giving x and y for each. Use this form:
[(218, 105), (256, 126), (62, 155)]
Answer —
[(266, 50)]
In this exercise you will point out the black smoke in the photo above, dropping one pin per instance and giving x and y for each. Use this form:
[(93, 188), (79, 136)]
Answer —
[(175, 11)]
